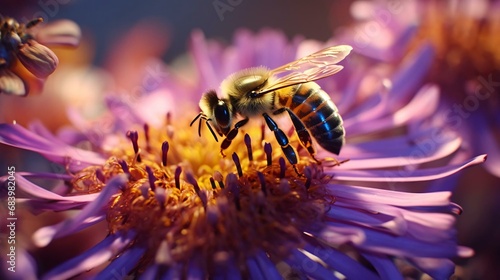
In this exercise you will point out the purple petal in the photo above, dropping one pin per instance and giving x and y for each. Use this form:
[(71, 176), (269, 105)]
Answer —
[(488, 143), (111, 246), (402, 175), (310, 268), (425, 226), (423, 105), (41, 193), (25, 266), (407, 153), (410, 75), (195, 269), (227, 269), (347, 266), (200, 51), (379, 242), (436, 268), (267, 267), (91, 214), (254, 270), (60, 32), (123, 264), (388, 197), (56, 151), (384, 266)]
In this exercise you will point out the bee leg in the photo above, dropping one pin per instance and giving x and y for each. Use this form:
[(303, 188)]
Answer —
[(231, 135), (302, 132), (282, 139)]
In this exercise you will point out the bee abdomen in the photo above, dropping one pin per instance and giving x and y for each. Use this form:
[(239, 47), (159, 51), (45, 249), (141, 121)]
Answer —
[(316, 110)]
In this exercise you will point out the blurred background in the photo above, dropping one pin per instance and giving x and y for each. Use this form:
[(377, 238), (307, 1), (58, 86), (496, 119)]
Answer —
[(104, 24)]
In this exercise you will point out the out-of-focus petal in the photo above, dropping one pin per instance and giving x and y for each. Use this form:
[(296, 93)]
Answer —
[(347, 266), (91, 214), (38, 59), (11, 84), (76, 159), (97, 255), (60, 32), (384, 266), (120, 267)]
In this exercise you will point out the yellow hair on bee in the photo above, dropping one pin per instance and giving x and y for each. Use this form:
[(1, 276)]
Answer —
[(234, 83)]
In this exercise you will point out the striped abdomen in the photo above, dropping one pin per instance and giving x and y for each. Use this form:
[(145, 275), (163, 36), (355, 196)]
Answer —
[(314, 107)]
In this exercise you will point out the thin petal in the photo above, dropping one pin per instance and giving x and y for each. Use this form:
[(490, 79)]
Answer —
[(436, 268), (123, 264), (402, 175), (423, 105), (56, 151), (90, 215), (379, 242), (97, 255), (384, 266), (389, 197), (347, 266), (309, 267), (41, 193), (403, 155), (267, 266)]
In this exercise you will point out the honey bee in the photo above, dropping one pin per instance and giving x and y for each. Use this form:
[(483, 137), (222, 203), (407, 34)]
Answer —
[(290, 88)]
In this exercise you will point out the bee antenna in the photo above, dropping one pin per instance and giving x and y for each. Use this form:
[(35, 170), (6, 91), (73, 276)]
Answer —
[(211, 130)]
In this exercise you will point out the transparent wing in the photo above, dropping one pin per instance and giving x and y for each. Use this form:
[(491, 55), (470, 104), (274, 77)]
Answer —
[(313, 67)]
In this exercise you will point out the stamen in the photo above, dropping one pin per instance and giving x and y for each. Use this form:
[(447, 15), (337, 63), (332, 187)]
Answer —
[(190, 178), (268, 150), (212, 182), (164, 152), (151, 178), (146, 135), (177, 175), (134, 137), (124, 166), (218, 177), (262, 180), (100, 175), (236, 160), (248, 143), (232, 183), (282, 167)]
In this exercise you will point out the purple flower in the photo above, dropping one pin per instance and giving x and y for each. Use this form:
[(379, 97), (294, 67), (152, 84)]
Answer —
[(465, 67), (176, 209), (25, 61)]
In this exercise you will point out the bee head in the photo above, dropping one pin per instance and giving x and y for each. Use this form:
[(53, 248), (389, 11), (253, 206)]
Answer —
[(217, 111)]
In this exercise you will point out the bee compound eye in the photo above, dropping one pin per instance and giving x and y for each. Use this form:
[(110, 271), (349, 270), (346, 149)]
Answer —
[(222, 114)]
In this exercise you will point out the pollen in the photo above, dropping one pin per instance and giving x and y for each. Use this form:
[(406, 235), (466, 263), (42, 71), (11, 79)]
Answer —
[(184, 198)]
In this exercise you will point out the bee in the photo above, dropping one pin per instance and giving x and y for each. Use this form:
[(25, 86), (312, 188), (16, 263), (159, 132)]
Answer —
[(290, 88)]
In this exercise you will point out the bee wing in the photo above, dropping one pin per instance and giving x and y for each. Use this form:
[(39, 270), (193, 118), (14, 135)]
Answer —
[(313, 67)]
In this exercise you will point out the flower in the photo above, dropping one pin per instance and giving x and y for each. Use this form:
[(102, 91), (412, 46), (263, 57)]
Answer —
[(463, 35), (176, 209), (25, 62)]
